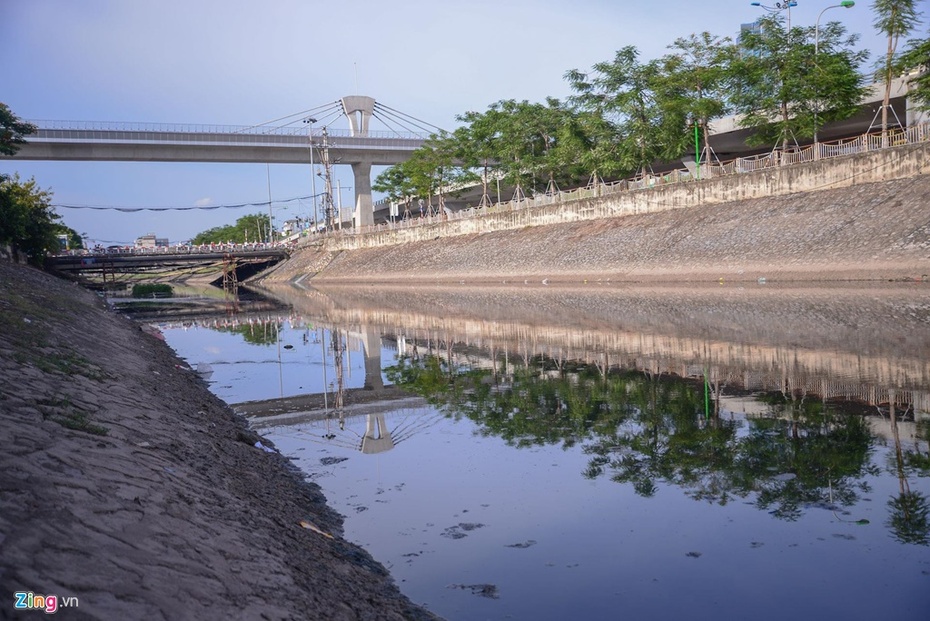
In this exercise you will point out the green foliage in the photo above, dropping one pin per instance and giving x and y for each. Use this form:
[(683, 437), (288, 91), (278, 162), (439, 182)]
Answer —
[(642, 125), (12, 131), (251, 228), (916, 58), (786, 91), (909, 518), (894, 19), (694, 80), (262, 333), (152, 290), (27, 222)]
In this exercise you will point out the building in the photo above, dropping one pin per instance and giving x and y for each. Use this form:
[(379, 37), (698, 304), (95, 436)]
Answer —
[(151, 241)]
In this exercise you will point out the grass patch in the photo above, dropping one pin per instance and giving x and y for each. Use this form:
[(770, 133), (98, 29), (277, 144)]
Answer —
[(66, 414), (152, 290)]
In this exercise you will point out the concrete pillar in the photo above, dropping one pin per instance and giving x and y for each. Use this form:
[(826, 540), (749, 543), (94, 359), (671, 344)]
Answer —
[(364, 211)]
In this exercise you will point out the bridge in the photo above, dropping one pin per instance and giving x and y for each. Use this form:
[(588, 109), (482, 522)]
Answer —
[(358, 147), (235, 261)]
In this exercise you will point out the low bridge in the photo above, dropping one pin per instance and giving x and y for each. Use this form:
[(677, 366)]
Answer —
[(234, 263)]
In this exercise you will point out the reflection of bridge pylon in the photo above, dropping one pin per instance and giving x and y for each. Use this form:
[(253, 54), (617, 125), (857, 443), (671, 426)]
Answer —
[(377, 438)]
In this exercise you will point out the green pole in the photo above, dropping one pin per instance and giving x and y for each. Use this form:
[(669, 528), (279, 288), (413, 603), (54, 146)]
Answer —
[(706, 396), (697, 152)]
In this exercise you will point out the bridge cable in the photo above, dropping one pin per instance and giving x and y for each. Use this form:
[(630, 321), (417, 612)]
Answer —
[(304, 113), (420, 122)]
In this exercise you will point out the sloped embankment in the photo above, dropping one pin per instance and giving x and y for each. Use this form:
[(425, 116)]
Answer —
[(875, 231), (125, 483)]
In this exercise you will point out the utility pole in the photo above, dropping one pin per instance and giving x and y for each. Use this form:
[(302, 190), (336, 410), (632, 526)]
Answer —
[(328, 209), (311, 121)]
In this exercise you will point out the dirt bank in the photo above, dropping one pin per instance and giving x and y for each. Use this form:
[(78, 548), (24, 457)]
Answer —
[(877, 231), (126, 484)]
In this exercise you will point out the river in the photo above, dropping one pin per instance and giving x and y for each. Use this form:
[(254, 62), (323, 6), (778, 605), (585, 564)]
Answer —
[(753, 451)]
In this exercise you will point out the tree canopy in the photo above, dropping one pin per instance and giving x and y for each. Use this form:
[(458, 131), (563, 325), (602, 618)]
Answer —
[(251, 228), (12, 131), (28, 224)]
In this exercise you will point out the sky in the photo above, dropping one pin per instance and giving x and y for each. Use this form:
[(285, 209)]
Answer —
[(241, 62)]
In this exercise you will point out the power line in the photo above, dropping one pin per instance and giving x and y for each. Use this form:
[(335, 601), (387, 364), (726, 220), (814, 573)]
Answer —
[(197, 207)]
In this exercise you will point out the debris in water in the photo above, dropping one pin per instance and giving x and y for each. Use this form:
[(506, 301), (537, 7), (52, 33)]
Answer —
[(693, 554), (484, 590), (525, 544)]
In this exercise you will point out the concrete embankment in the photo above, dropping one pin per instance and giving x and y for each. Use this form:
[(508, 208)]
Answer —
[(126, 485), (870, 231)]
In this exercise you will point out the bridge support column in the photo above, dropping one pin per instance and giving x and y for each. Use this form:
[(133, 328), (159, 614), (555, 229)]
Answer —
[(364, 211), (371, 339)]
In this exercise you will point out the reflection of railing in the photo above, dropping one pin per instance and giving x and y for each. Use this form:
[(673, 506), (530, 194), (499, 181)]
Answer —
[(862, 144)]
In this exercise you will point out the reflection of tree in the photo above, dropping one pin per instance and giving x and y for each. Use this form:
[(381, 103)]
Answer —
[(643, 429), (910, 511), (264, 333), (807, 455)]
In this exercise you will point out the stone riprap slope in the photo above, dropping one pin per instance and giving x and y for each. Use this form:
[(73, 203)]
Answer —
[(875, 231)]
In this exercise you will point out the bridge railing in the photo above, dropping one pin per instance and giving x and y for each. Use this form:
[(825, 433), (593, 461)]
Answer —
[(182, 249), (798, 155), (109, 128)]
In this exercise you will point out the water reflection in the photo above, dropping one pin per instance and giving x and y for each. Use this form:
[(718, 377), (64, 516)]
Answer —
[(647, 407), (737, 417)]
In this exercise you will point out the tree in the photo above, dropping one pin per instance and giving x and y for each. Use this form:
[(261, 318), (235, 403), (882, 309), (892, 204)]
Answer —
[(12, 131), (478, 143), (27, 221), (624, 93), (694, 79), (786, 91), (397, 184), (249, 228), (894, 19), (916, 58)]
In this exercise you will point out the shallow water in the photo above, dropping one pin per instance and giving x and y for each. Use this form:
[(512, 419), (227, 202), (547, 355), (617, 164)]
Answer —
[(619, 454)]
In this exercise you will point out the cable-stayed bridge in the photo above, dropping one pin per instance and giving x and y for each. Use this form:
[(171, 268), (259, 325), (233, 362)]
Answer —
[(296, 139)]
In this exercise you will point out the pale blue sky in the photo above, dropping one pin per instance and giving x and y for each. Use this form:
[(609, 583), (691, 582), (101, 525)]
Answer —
[(243, 62)]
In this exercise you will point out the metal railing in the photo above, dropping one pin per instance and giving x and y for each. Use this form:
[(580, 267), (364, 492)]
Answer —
[(128, 127)]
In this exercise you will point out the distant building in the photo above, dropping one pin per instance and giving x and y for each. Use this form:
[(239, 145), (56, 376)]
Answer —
[(151, 241), (290, 226)]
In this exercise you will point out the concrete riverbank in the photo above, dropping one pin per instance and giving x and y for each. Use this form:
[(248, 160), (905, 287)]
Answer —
[(128, 491), (871, 231)]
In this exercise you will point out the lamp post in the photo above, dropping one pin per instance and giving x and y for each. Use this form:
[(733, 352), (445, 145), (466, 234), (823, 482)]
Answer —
[(845, 4), (311, 121), (779, 6)]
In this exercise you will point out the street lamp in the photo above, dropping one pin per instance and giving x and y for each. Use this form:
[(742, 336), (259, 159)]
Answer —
[(845, 4), (779, 6), (311, 121)]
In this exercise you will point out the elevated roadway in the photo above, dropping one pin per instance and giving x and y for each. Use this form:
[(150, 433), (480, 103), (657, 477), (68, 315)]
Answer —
[(357, 147)]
